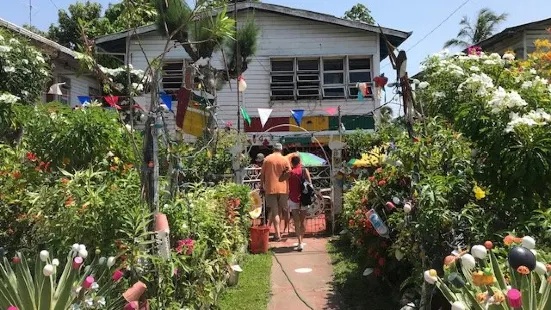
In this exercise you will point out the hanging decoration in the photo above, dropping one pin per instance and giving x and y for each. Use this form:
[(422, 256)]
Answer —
[(162, 229), (167, 100), (84, 100), (183, 96), (331, 110), (55, 89), (113, 101), (264, 115), (241, 84), (363, 90), (380, 83), (297, 115), (246, 116), (141, 102)]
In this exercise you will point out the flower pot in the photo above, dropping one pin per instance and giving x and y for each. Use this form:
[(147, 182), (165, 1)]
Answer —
[(259, 239)]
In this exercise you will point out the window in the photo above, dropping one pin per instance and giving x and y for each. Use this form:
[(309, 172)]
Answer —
[(318, 78), (359, 71), (94, 92), (173, 75), (65, 90)]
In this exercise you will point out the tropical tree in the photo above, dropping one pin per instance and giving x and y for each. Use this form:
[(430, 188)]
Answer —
[(484, 27), (360, 13)]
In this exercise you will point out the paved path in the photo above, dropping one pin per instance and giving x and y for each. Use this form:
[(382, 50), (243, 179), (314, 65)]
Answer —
[(310, 271)]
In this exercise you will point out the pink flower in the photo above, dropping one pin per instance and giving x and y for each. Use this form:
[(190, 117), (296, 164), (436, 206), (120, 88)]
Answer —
[(117, 275), (87, 283), (186, 244), (77, 262)]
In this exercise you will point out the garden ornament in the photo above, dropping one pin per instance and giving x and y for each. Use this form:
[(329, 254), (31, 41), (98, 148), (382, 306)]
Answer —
[(528, 242), (521, 256), (55, 89), (163, 231), (514, 298), (479, 251)]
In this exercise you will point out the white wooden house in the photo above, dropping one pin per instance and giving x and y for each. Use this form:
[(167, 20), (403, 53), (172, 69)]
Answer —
[(305, 60), (519, 39), (64, 68)]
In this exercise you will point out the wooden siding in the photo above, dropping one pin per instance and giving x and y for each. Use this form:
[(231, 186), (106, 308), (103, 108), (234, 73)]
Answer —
[(532, 35), (281, 36), (80, 84)]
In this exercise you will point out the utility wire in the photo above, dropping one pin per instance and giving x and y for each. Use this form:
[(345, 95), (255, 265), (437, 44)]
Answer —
[(434, 29)]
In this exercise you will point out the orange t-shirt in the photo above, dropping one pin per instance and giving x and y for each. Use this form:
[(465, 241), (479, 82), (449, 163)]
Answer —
[(272, 168)]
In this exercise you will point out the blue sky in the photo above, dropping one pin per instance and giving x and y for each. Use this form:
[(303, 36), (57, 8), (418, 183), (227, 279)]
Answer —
[(420, 16)]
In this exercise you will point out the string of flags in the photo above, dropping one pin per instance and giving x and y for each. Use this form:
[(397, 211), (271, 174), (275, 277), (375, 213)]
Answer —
[(112, 101), (297, 114)]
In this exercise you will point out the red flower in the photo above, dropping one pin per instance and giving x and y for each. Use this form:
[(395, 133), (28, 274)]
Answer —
[(371, 179), (415, 139), (377, 272), (69, 201), (186, 244), (381, 261), (31, 156), (364, 201), (46, 166), (351, 223), (379, 170), (64, 180), (382, 183), (16, 175)]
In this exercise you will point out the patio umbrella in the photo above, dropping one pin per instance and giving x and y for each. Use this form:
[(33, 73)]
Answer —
[(308, 159)]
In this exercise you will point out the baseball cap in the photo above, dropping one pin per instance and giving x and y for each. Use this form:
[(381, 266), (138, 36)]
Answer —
[(259, 157), (278, 147)]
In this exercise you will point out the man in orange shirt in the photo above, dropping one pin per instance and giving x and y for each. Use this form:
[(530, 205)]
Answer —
[(275, 188)]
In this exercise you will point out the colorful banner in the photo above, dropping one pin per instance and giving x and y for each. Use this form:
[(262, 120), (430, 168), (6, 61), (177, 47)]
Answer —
[(84, 100), (246, 116), (141, 102), (112, 101), (167, 100), (331, 111), (297, 115), (264, 115)]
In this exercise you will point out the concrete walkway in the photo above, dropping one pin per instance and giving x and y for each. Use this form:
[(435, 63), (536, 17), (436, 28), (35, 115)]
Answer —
[(310, 271)]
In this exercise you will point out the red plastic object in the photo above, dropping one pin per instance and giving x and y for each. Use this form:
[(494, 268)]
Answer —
[(259, 239)]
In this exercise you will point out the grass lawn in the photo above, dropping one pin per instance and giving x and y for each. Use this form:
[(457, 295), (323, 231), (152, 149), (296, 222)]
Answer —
[(356, 291), (253, 290)]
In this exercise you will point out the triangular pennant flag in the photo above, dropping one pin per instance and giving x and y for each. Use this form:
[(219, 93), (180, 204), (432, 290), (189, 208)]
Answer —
[(360, 95), (84, 99), (167, 100), (55, 89), (264, 115), (246, 116), (141, 102), (331, 110), (297, 115), (112, 101)]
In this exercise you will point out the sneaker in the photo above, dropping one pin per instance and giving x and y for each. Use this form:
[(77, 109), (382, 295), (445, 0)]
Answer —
[(300, 247)]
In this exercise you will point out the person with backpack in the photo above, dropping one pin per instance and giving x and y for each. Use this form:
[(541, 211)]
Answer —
[(301, 195)]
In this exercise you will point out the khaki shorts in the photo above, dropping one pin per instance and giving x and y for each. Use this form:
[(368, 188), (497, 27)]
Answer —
[(277, 202)]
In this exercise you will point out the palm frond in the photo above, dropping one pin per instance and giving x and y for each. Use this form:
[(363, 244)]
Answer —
[(456, 42)]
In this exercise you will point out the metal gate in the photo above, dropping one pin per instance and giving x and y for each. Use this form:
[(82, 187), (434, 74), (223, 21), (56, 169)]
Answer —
[(319, 214)]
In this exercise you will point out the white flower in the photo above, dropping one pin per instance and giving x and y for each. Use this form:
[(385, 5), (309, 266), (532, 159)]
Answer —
[(55, 262), (95, 286), (89, 301), (490, 62), (479, 251), (5, 49), (501, 100), (111, 261), (468, 261), (14, 41), (532, 118), (508, 56), (526, 84), (430, 276), (495, 56), (44, 255), (110, 154), (539, 80), (101, 301), (540, 268), (439, 94), (474, 69), (25, 61), (9, 98), (40, 59), (423, 85), (480, 83), (533, 71), (24, 93), (1, 38), (48, 270), (9, 69)]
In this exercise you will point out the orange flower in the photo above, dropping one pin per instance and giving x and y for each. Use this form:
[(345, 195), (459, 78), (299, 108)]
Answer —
[(508, 240), (382, 183), (64, 180), (69, 201), (379, 170), (113, 168), (523, 270), (16, 175)]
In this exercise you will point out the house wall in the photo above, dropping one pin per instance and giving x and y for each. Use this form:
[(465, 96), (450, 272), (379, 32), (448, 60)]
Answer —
[(281, 36), (80, 84), (530, 36)]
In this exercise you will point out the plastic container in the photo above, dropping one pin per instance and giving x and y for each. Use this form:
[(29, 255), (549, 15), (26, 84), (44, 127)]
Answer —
[(378, 223), (259, 239)]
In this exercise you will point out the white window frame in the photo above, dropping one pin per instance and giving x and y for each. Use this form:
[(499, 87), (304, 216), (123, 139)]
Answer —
[(176, 74), (352, 85), (333, 85), (296, 91)]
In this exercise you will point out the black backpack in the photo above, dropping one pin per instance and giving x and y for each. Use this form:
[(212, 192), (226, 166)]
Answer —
[(307, 194)]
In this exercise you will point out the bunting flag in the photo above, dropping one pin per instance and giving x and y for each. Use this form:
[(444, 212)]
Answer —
[(297, 115), (141, 102), (167, 100), (331, 111), (246, 116), (264, 115), (183, 96), (84, 100), (112, 101)]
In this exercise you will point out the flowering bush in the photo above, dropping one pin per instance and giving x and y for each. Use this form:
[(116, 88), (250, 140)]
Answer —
[(515, 276)]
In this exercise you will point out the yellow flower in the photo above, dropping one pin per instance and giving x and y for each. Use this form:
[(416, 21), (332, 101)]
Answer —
[(209, 154), (540, 43), (116, 160), (479, 193)]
